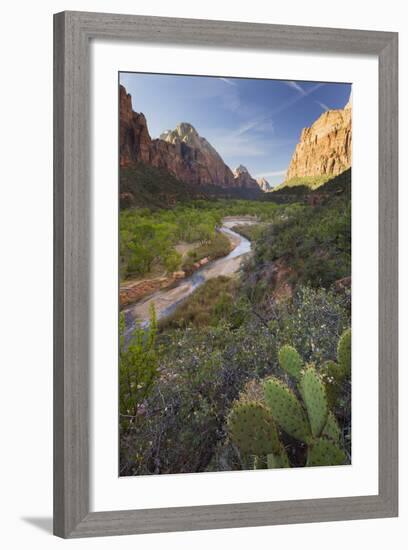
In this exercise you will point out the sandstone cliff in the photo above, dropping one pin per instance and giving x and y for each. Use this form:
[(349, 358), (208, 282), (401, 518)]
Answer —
[(182, 151), (205, 165), (244, 179), (324, 149), (264, 184)]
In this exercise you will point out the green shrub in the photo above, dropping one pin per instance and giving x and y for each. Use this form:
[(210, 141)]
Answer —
[(312, 322), (138, 369), (314, 243), (202, 372), (215, 248), (250, 231), (214, 301)]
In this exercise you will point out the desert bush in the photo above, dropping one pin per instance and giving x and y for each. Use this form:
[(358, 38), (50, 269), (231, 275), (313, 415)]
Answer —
[(202, 372), (312, 322), (138, 369), (313, 242)]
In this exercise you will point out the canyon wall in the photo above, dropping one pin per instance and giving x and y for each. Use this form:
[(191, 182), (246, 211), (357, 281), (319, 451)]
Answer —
[(182, 151), (325, 147)]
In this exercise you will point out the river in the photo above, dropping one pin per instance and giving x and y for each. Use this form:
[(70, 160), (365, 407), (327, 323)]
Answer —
[(167, 300)]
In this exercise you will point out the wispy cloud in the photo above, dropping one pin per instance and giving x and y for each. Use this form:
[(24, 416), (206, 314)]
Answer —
[(286, 104), (260, 124), (323, 106), (232, 146), (271, 174), (228, 81), (295, 86), (239, 146), (265, 122)]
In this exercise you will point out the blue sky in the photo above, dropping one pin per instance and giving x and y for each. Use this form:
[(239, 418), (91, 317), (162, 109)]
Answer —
[(252, 122)]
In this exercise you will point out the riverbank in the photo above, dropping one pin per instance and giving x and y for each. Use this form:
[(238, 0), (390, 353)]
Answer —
[(166, 300), (133, 291), (217, 338)]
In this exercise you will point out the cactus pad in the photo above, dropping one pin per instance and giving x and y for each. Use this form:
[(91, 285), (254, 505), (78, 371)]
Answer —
[(286, 410), (344, 352), (280, 460), (252, 429), (324, 452), (314, 396), (332, 429), (333, 377), (290, 361)]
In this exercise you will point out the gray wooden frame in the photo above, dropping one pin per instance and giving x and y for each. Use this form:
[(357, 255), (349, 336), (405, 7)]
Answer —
[(72, 34)]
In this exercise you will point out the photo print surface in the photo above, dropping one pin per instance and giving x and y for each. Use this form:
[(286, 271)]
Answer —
[(235, 273)]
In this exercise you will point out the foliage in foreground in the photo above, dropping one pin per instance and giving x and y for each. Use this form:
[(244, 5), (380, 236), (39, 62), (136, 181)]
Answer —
[(138, 368), (292, 424), (181, 425), (224, 340)]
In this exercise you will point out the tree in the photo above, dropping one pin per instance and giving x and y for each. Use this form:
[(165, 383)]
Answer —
[(138, 368)]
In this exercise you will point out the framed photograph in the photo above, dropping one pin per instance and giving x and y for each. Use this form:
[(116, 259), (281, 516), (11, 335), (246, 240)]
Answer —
[(225, 283)]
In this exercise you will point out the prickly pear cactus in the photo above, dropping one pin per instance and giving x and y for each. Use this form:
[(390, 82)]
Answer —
[(253, 430), (314, 395), (286, 409), (290, 361), (280, 460), (344, 352), (302, 413), (324, 452), (332, 429), (333, 377)]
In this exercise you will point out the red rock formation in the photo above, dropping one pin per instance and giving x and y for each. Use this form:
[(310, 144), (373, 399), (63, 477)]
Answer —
[(134, 138), (205, 166), (244, 179), (264, 184), (182, 151), (325, 147), (133, 291)]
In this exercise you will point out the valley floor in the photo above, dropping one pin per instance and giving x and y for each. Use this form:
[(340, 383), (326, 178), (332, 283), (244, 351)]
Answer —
[(165, 301), (206, 345)]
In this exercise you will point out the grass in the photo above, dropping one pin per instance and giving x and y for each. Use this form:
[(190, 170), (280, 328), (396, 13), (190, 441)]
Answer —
[(311, 182), (252, 232), (217, 247), (301, 191), (211, 302)]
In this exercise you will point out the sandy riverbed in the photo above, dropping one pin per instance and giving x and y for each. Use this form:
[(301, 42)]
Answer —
[(166, 300)]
